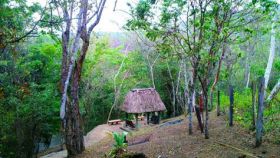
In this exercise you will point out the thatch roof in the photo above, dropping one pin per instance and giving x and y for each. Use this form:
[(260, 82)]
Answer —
[(143, 100)]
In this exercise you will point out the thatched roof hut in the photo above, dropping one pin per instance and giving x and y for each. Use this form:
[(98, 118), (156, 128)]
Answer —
[(143, 100)]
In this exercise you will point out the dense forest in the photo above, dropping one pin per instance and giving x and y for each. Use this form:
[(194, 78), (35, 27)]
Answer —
[(61, 78)]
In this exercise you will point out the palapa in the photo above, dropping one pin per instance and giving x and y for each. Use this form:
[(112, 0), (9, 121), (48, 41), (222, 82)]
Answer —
[(143, 100)]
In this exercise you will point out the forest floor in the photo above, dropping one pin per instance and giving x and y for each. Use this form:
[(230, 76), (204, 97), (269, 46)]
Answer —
[(173, 141)]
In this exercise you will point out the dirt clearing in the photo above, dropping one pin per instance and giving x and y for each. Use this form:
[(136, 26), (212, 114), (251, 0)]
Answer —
[(173, 141)]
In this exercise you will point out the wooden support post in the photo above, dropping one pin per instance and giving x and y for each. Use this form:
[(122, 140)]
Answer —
[(253, 125), (159, 117), (259, 126), (136, 124), (231, 99), (218, 103), (126, 119), (125, 140), (153, 118), (148, 117)]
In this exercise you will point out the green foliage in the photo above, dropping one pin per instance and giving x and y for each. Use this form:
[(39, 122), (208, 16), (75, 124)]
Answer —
[(15, 18), (119, 146), (120, 140), (277, 64), (242, 107), (98, 87), (243, 113), (142, 9), (30, 71), (29, 104)]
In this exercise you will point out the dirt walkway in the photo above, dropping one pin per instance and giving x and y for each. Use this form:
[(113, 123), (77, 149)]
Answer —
[(94, 136)]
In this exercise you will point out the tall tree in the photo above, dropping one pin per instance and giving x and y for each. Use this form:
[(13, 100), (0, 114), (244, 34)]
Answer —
[(80, 17)]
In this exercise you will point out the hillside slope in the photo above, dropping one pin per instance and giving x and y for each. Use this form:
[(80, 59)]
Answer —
[(173, 141)]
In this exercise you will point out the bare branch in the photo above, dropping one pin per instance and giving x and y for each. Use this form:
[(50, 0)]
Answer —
[(99, 13), (274, 91)]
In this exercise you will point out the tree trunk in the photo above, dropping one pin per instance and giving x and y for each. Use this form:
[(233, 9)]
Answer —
[(217, 74), (218, 103), (271, 56), (117, 89), (248, 78), (253, 125), (231, 99), (191, 95), (64, 63), (191, 91), (151, 68), (205, 95), (247, 70), (259, 126), (186, 89), (152, 76), (201, 107), (177, 86), (72, 68), (173, 102), (204, 86), (198, 115), (74, 131), (274, 92), (74, 139), (189, 88)]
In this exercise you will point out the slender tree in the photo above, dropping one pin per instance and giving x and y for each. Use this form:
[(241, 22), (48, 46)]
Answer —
[(117, 88), (259, 124), (253, 125), (271, 54)]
